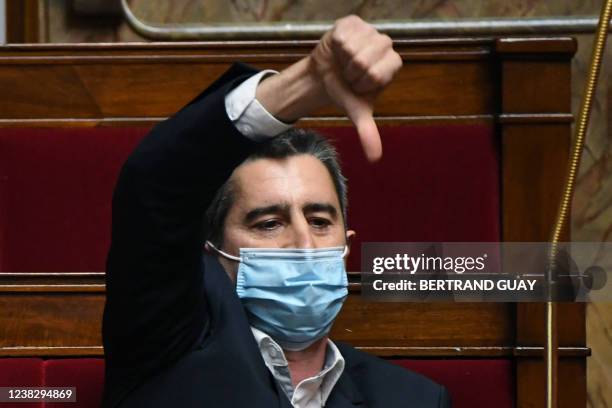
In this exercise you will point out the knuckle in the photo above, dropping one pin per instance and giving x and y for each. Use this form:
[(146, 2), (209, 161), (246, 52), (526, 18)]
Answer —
[(369, 29), (349, 49), (353, 19), (386, 41), (376, 77), (338, 25), (359, 25), (399, 60), (360, 64), (337, 37), (346, 22)]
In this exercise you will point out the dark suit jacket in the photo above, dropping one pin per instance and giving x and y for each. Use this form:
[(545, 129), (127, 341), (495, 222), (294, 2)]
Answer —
[(175, 333)]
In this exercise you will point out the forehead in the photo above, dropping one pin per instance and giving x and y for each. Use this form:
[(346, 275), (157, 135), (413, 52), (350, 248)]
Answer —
[(295, 180)]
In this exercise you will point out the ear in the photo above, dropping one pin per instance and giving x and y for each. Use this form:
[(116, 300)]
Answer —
[(350, 234)]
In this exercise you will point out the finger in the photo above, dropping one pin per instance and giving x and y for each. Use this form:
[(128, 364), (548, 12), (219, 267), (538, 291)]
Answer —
[(359, 111), (368, 133), (348, 43), (349, 37), (379, 75), (375, 49)]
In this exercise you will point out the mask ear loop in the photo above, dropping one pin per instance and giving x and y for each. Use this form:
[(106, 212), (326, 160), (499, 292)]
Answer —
[(209, 244), (345, 252)]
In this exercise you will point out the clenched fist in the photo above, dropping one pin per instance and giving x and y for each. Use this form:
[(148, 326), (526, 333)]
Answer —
[(351, 64), (355, 62)]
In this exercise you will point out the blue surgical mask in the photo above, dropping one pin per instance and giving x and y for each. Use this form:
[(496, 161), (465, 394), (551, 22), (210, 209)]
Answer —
[(293, 295)]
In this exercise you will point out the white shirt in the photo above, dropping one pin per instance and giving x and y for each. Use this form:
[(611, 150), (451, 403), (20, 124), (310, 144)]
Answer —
[(256, 123), (311, 392), (248, 115)]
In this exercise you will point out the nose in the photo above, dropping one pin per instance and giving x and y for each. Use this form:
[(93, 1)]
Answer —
[(301, 233)]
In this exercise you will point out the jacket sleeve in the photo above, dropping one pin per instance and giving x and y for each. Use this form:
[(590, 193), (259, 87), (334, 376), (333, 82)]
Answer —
[(155, 309), (445, 400)]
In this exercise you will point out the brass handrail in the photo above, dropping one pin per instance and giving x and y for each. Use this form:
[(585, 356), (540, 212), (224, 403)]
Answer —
[(582, 125)]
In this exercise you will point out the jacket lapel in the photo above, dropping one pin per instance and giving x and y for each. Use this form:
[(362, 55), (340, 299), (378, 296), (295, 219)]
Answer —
[(345, 394), (228, 315), (283, 401)]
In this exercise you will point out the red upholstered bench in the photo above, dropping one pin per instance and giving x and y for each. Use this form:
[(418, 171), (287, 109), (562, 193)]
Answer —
[(85, 374), (56, 187), (471, 383)]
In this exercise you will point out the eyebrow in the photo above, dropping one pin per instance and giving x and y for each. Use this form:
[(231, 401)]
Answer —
[(283, 208), (321, 207), (270, 209)]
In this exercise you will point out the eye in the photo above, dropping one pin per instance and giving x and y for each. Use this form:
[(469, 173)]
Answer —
[(268, 225), (320, 223)]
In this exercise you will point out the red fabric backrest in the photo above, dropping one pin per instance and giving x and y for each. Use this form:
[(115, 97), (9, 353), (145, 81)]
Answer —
[(56, 187), (434, 183), (471, 383), (85, 374), (21, 372)]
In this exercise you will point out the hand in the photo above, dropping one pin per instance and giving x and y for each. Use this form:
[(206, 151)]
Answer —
[(349, 67), (354, 63)]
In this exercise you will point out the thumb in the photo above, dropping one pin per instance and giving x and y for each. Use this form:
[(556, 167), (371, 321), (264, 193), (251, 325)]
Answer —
[(361, 116), (360, 112)]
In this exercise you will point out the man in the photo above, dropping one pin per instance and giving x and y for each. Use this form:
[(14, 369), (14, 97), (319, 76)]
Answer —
[(245, 323)]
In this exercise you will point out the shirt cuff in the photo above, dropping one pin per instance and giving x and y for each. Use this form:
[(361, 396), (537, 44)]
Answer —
[(248, 115)]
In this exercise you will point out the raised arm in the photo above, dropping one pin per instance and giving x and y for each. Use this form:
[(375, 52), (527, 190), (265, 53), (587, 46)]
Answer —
[(156, 310)]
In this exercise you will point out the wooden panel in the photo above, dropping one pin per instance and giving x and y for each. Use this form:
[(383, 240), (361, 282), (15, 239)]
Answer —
[(537, 47), (531, 383), (22, 21), (98, 82), (60, 313), (536, 78), (364, 323), (533, 160), (535, 75), (571, 324), (50, 319), (126, 90)]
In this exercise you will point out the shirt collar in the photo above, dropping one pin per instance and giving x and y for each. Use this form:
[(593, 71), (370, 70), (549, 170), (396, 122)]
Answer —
[(274, 358)]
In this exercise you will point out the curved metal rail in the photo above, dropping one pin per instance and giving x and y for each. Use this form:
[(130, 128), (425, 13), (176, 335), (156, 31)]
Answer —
[(414, 28)]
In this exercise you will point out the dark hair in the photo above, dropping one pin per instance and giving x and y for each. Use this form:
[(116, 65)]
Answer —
[(292, 142)]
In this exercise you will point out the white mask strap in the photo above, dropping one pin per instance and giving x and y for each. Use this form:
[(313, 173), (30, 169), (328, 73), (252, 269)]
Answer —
[(345, 252), (220, 252), (238, 259)]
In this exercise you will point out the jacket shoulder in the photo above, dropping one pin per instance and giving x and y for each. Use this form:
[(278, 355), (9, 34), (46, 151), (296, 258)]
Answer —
[(386, 384)]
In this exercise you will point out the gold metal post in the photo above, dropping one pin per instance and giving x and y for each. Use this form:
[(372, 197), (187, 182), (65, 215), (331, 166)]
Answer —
[(568, 193)]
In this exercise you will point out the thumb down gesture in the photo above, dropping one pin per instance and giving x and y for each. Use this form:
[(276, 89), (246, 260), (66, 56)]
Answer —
[(349, 67), (354, 63)]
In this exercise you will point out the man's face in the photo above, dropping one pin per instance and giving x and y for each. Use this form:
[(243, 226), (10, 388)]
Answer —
[(286, 203)]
